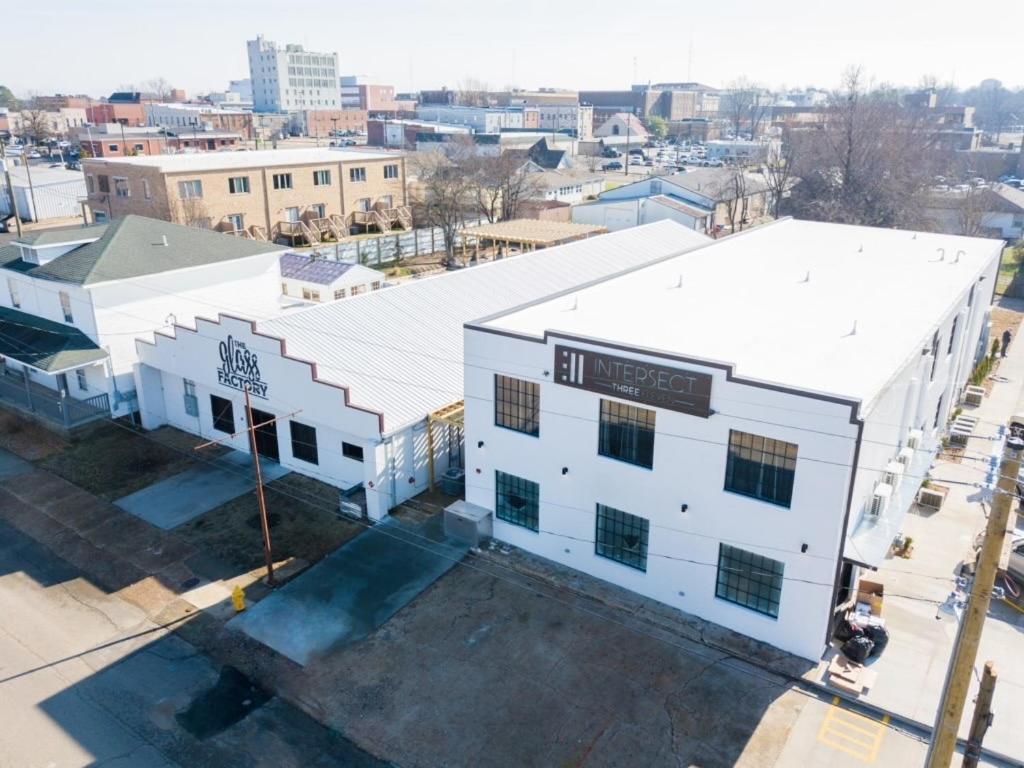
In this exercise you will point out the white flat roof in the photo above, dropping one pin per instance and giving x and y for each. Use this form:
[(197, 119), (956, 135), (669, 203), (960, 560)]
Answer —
[(746, 300), (217, 161), (399, 350)]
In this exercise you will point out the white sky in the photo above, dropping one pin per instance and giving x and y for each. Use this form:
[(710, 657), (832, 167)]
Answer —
[(92, 46)]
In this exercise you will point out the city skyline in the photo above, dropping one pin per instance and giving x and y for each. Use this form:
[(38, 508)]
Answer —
[(539, 45)]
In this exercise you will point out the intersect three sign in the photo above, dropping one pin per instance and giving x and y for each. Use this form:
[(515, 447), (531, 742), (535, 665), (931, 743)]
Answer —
[(662, 386)]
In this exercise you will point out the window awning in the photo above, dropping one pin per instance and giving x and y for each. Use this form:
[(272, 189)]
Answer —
[(45, 345)]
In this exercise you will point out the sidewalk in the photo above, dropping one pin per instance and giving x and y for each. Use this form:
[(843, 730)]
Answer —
[(912, 670)]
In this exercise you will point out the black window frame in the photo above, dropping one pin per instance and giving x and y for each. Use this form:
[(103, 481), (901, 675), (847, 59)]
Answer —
[(952, 334), (626, 433), (302, 448), (527, 516), (782, 493), (357, 175), (352, 451), (392, 169), (323, 173), (222, 415), (282, 181), (750, 580), (935, 356), (241, 188), (514, 399), (611, 524)]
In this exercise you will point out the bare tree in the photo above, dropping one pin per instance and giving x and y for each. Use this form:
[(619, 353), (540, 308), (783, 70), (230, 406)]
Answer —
[(190, 211), (446, 193), (503, 183), (471, 92), (159, 87), (870, 163), (745, 104), (778, 174), (34, 125), (971, 213)]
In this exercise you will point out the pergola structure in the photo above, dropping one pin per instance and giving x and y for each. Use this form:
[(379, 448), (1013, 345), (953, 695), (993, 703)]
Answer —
[(453, 416), (525, 234)]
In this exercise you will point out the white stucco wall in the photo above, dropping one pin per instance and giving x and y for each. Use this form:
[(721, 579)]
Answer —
[(689, 468)]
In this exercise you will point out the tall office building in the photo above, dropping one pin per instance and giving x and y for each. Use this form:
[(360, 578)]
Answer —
[(288, 78)]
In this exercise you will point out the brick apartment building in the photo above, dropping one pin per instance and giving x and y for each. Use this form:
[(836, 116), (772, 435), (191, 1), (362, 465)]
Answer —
[(294, 195), (323, 122), (125, 114), (116, 140)]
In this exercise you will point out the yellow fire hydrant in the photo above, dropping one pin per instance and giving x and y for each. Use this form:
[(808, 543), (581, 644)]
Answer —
[(238, 598)]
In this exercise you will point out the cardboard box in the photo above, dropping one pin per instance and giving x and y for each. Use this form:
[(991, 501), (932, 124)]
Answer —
[(872, 593)]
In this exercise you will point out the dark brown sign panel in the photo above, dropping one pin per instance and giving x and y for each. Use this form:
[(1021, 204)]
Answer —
[(658, 385)]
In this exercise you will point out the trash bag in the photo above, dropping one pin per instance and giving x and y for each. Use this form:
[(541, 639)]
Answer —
[(847, 629), (857, 649), (879, 636)]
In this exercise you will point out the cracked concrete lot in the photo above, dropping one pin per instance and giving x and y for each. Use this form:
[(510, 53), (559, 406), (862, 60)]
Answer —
[(480, 671)]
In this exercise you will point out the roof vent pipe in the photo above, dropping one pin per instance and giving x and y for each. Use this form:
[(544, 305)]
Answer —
[(956, 259), (163, 241), (807, 277), (943, 252)]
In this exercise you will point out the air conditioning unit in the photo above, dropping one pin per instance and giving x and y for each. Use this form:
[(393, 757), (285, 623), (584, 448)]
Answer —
[(973, 395), (893, 474), (914, 439), (929, 497), (905, 456), (879, 500)]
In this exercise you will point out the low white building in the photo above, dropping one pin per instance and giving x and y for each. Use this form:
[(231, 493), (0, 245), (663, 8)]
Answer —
[(996, 211), (316, 279), (356, 380), (566, 186), (73, 301), (54, 193), (706, 199), (735, 431)]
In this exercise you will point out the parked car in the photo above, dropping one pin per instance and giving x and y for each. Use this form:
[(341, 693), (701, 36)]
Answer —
[(614, 165), (611, 152), (33, 155)]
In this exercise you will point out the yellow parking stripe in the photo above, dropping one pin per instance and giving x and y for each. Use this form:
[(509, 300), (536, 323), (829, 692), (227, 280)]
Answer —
[(852, 733)]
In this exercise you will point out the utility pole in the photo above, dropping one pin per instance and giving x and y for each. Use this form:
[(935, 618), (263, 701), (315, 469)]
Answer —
[(982, 720), (10, 187), (260, 500), (965, 652), (31, 188), (264, 523)]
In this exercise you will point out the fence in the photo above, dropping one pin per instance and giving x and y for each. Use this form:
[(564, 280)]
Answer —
[(50, 404), (387, 249)]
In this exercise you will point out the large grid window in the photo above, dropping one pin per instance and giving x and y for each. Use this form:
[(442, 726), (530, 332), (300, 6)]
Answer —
[(760, 467), (304, 442), (357, 174), (223, 414), (282, 181), (517, 404), (517, 501), (622, 537), (321, 178), (238, 185), (750, 580), (627, 433)]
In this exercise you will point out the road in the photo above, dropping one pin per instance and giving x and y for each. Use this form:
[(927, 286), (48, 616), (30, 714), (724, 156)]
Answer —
[(87, 679)]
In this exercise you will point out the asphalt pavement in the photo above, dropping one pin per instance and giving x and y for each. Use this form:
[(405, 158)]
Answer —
[(86, 679)]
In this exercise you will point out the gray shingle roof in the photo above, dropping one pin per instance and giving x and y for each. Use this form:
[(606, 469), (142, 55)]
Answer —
[(298, 266), (44, 344), (133, 246), (66, 235)]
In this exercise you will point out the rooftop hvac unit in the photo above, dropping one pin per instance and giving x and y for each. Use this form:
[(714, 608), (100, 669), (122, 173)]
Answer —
[(880, 500), (914, 439), (893, 473), (929, 497), (973, 395), (905, 456)]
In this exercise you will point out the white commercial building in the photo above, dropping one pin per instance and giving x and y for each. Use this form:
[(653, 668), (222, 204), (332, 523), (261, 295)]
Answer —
[(480, 119), (290, 78), (201, 117), (73, 301), (735, 431), (51, 193), (354, 381)]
